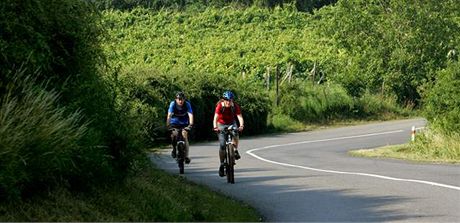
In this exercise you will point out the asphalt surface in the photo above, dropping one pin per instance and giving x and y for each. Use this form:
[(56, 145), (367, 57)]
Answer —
[(310, 177)]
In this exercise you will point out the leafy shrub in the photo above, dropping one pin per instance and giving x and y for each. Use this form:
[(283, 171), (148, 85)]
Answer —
[(306, 102), (302, 5), (150, 92), (374, 54), (57, 43), (435, 145), (372, 105), (38, 139), (442, 104), (214, 41), (280, 122)]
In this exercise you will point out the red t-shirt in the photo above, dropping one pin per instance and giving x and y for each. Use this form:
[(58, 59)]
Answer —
[(226, 116)]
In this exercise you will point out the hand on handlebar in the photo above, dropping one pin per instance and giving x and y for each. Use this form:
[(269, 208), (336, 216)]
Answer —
[(215, 129), (241, 128), (188, 128)]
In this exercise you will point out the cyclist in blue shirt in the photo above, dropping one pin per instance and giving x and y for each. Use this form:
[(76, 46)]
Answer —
[(180, 116)]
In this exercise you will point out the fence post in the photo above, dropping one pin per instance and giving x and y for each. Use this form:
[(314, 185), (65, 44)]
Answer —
[(413, 134), (277, 84), (267, 78), (313, 73)]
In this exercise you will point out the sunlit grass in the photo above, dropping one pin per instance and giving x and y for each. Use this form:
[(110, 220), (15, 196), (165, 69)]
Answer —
[(428, 147), (150, 195)]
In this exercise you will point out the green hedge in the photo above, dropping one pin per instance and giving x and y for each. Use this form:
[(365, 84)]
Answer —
[(57, 44), (150, 92), (393, 47)]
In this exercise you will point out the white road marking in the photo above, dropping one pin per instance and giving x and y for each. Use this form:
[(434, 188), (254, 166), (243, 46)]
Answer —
[(251, 152)]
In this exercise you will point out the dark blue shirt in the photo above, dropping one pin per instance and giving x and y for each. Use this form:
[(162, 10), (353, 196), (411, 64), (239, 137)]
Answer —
[(180, 114)]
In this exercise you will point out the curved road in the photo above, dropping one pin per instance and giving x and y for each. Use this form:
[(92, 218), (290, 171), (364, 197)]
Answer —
[(309, 177)]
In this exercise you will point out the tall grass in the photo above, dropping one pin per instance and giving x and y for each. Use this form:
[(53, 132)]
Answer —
[(37, 139), (151, 195), (375, 105), (432, 145), (147, 92), (303, 102), (429, 146)]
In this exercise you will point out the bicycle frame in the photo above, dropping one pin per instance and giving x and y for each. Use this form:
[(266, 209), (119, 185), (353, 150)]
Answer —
[(180, 148)]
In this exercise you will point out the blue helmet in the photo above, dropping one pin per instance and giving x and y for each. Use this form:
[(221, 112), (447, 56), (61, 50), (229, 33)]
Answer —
[(180, 95), (228, 95)]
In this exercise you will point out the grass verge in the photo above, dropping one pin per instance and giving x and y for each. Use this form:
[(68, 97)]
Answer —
[(149, 195), (428, 147), (284, 123)]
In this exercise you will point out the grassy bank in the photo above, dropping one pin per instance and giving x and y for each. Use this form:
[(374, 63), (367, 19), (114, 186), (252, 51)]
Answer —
[(427, 148), (149, 195)]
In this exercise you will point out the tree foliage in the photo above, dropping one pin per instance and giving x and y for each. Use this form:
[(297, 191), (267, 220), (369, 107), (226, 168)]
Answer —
[(56, 43), (148, 93), (301, 5), (391, 46), (442, 106), (227, 42)]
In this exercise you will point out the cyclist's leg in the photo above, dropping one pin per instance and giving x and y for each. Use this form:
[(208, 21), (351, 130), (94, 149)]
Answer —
[(174, 134), (221, 149), (236, 137), (236, 140), (221, 145), (185, 135)]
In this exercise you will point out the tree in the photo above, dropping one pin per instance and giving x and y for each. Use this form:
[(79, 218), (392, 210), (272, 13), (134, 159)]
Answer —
[(442, 107)]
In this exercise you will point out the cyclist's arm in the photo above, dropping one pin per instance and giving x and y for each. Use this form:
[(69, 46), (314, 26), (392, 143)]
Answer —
[(190, 113), (168, 118), (216, 115), (190, 118), (214, 122), (239, 115), (170, 113), (240, 119)]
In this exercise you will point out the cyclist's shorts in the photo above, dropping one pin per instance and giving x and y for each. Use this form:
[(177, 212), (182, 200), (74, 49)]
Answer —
[(178, 126)]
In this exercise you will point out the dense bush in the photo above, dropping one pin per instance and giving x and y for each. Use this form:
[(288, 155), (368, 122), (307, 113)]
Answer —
[(442, 104), (373, 56), (306, 102), (393, 47), (150, 92), (435, 145), (301, 5), (57, 43), (217, 41), (37, 140)]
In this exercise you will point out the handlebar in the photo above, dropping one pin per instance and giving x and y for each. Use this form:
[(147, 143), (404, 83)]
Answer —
[(228, 129), (187, 128)]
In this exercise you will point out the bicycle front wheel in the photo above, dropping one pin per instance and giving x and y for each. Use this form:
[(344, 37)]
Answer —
[(230, 170), (181, 157)]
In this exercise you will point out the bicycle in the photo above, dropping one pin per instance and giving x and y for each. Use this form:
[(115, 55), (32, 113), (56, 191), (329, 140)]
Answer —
[(180, 149), (229, 161)]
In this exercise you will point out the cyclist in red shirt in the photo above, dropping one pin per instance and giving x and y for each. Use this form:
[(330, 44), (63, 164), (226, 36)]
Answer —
[(226, 114)]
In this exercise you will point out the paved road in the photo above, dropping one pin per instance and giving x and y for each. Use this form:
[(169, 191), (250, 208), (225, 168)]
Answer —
[(309, 177)]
